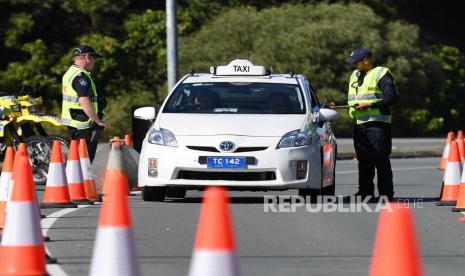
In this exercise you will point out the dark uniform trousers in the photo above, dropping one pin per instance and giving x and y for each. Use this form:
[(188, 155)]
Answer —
[(91, 135), (373, 143)]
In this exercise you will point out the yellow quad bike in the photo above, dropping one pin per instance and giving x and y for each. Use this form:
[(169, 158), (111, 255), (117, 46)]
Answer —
[(39, 142), (10, 132)]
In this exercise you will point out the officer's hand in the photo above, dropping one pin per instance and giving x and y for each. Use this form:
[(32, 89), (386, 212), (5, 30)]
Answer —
[(102, 123), (331, 104), (363, 106)]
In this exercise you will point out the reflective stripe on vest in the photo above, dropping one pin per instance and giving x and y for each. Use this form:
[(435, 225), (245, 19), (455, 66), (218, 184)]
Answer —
[(365, 97), (368, 92), (71, 98), (374, 117), (75, 99), (75, 124)]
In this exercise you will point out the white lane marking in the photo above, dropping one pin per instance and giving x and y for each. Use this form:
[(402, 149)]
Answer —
[(394, 169), (46, 223)]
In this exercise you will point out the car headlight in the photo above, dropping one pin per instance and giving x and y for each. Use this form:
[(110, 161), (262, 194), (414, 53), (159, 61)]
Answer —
[(295, 138), (162, 137)]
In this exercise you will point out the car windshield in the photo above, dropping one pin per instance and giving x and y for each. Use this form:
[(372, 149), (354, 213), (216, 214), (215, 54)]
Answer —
[(239, 98)]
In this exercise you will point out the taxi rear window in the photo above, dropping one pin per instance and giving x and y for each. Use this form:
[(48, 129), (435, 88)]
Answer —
[(236, 97)]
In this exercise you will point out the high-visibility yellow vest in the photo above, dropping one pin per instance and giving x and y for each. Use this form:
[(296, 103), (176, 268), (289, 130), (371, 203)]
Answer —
[(71, 98), (368, 92)]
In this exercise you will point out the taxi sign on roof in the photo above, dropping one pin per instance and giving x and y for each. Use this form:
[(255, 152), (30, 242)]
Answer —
[(239, 67)]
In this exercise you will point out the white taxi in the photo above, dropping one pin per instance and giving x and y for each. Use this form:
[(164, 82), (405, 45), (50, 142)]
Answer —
[(242, 127)]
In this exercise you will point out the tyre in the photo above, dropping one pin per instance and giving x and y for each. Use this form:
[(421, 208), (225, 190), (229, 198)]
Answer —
[(64, 144), (176, 192), (311, 194), (331, 189), (153, 193), (39, 149)]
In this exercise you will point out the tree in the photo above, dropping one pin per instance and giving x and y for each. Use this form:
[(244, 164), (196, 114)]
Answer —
[(314, 40)]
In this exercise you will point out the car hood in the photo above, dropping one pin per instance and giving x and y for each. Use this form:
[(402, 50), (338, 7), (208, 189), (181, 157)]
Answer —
[(228, 124)]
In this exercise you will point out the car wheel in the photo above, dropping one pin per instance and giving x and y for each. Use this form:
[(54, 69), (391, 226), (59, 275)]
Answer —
[(311, 194), (331, 189), (176, 192), (39, 149), (153, 193)]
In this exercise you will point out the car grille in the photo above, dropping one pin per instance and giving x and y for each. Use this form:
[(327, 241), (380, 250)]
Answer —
[(234, 176), (213, 149), (247, 149)]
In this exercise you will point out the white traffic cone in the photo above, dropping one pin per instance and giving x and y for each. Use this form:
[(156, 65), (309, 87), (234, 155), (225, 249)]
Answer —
[(114, 250), (5, 183), (56, 193), (22, 251), (215, 249), (452, 177), (89, 182)]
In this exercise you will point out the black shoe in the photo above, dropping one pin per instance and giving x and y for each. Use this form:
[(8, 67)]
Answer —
[(390, 198), (359, 197), (363, 196)]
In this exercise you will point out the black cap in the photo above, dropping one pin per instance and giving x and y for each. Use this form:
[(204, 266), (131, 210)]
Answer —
[(358, 54), (83, 50)]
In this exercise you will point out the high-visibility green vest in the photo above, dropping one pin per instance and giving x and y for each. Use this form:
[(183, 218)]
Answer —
[(368, 92), (71, 98)]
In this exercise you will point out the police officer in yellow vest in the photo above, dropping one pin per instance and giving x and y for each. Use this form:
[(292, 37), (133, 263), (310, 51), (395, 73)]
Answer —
[(371, 94), (82, 109)]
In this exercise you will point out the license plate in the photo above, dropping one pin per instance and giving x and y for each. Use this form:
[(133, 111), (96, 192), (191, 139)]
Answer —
[(226, 162)]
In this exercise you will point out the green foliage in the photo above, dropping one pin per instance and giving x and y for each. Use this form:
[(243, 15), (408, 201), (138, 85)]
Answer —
[(19, 24), (449, 101), (314, 40), (34, 69)]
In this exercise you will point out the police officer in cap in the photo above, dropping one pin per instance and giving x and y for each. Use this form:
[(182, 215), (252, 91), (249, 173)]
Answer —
[(82, 108), (371, 93)]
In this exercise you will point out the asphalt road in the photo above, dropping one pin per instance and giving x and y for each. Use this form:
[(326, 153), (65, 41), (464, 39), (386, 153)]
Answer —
[(296, 243)]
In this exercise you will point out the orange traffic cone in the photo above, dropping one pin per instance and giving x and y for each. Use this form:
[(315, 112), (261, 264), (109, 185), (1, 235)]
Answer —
[(5, 183), (89, 182), (22, 148), (22, 251), (452, 177), (114, 250), (396, 250), (445, 153), (461, 145), (74, 176), (460, 206), (56, 191), (128, 140), (215, 248), (114, 167), (459, 135), (22, 151)]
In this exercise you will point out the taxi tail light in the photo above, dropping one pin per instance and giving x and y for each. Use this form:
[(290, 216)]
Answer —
[(302, 169), (153, 167)]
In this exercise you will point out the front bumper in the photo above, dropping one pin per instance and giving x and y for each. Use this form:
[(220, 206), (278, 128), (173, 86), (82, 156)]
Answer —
[(266, 169)]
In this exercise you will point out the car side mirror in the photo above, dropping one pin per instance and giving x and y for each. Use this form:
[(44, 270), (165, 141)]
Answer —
[(141, 122), (148, 113), (328, 115)]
